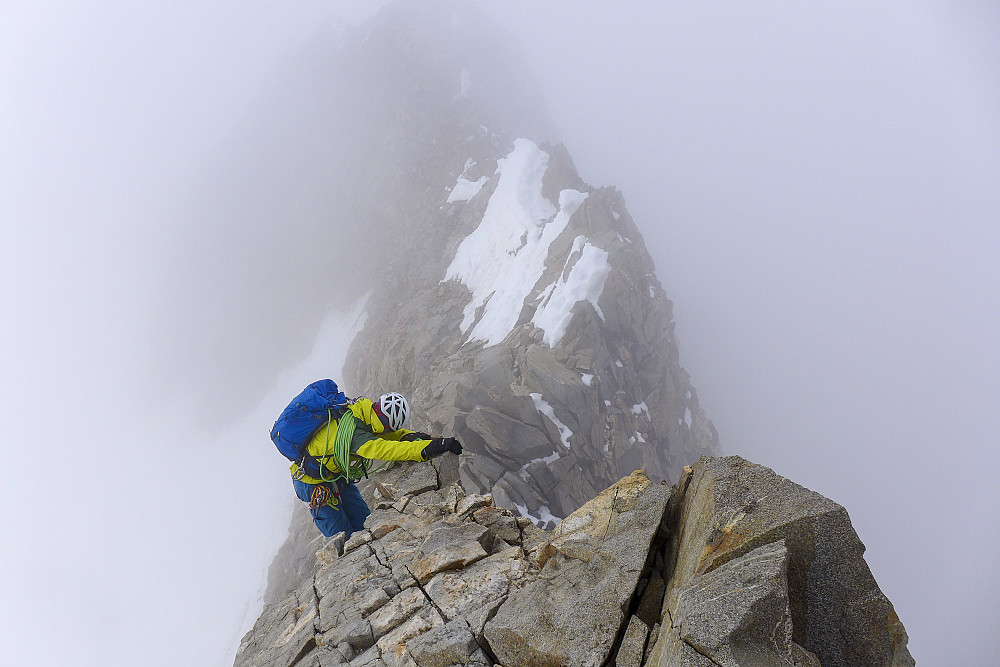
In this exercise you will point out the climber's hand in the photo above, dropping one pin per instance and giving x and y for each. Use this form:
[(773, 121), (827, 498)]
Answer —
[(439, 446)]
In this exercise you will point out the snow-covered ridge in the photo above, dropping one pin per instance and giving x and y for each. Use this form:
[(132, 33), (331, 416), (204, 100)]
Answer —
[(502, 260)]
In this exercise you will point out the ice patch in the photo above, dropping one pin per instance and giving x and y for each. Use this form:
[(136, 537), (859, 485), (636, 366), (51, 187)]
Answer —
[(587, 378), (585, 282), (546, 409), (501, 261), (640, 408), (687, 416)]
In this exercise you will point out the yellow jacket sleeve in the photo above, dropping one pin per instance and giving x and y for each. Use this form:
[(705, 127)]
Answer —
[(393, 450), (382, 444)]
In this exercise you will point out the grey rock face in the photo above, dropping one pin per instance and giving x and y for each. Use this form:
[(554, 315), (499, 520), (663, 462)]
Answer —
[(450, 644), (732, 510), (285, 631), (602, 549), (738, 614), (427, 592), (723, 569)]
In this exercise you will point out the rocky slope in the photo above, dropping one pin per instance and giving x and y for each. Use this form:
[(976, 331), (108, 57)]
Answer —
[(733, 566)]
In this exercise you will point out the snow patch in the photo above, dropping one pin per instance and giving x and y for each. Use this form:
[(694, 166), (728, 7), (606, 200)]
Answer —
[(587, 378), (542, 406), (465, 189), (641, 408), (501, 261), (585, 282), (548, 460), (619, 363), (544, 515), (687, 416)]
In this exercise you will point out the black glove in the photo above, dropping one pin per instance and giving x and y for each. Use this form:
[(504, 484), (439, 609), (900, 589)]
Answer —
[(439, 446), (416, 435)]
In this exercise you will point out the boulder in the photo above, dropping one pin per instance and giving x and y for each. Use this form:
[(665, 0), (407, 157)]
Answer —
[(444, 646), (732, 507), (450, 548), (738, 614), (600, 552)]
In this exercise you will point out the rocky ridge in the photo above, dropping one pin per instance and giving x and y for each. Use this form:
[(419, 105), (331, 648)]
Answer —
[(555, 362), (536, 333), (733, 566)]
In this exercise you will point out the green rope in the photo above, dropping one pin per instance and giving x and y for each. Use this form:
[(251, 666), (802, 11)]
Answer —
[(342, 451), (342, 446)]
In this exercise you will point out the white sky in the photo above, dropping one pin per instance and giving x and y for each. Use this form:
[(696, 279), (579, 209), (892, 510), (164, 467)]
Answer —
[(817, 184)]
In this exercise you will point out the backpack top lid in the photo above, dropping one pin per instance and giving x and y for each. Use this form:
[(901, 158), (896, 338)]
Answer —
[(305, 415)]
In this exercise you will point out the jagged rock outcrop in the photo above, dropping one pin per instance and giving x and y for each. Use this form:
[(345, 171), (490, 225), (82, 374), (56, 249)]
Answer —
[(733, 566), (543, 342), (789, 550)]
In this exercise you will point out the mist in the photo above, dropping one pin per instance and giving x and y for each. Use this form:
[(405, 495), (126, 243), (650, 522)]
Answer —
[(817, 186)]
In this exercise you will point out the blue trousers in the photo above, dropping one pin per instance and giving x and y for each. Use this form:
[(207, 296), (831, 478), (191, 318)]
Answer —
[(348, 516)]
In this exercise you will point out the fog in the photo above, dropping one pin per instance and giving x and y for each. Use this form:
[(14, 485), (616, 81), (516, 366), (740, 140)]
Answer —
[(818, 187)]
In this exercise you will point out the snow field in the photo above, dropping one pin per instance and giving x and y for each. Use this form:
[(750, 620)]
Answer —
[(502, 260)]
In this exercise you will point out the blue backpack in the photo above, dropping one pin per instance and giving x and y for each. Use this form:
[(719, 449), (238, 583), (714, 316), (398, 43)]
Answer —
[(316, 406)]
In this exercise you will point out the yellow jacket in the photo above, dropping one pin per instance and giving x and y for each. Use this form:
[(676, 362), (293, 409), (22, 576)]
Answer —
[(370, 441)]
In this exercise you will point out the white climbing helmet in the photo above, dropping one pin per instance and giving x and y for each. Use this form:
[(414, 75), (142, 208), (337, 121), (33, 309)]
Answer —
[(395, 409)]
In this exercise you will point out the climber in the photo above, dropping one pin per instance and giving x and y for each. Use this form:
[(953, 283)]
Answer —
[(334, 500)]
